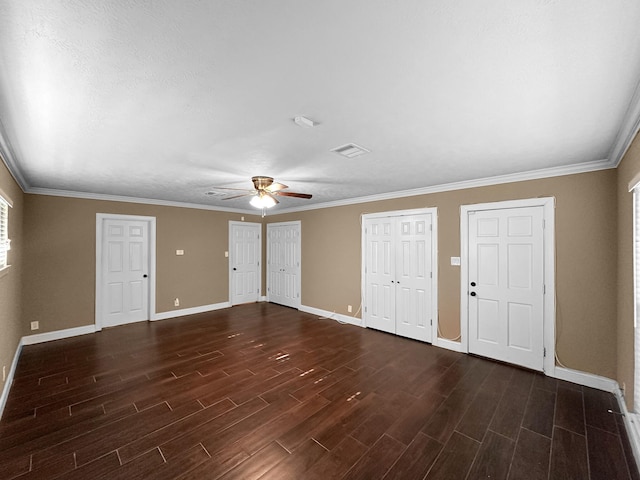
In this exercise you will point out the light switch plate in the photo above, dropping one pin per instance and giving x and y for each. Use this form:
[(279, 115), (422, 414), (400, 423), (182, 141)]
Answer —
[(179, 252), (455, 260)]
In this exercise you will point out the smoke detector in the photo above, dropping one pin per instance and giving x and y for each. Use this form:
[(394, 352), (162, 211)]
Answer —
[(304, 122)]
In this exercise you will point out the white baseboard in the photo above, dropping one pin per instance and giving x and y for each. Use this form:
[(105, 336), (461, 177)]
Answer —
[(58, 335), (263, 298), (189, 311), (632, 425), (448, 344), (586, 379), (9, 380), (338, 317)]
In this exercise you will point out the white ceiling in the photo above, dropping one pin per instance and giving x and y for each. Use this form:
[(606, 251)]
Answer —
[(166, 99)]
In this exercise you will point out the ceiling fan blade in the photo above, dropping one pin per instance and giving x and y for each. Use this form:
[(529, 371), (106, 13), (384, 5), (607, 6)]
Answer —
[(230, 188), (276, 187), (238, 196), (269, 194), (293, 194)]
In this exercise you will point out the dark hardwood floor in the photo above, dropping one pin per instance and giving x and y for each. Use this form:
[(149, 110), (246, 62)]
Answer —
[(262, 391)]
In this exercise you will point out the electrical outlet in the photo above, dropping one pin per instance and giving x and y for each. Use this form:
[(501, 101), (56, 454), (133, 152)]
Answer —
[(4, 373), (35, 325), (176, 302), (349, 308), (624, 388)]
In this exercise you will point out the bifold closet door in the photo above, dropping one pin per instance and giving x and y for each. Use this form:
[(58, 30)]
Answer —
[(398, 275)]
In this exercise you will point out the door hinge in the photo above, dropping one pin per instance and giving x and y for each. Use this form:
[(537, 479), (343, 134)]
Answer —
[(544, 352), (431, 227), (298, 295), (431, 322), (430, 274), (544, 289)]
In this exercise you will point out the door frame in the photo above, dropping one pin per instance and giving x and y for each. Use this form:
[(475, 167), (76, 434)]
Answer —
[(298, 224), (549, 309), (434, 260), (151, 223), (229, 263)]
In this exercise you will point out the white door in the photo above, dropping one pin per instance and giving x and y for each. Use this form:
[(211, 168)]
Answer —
[(380, 294), (125, 270), (283, 263), (413, 277), (244, 262), (398, 275), (506, 285)]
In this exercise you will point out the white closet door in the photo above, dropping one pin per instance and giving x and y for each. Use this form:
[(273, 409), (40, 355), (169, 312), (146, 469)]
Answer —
[(283, 263), (380, 308), (413, 276)]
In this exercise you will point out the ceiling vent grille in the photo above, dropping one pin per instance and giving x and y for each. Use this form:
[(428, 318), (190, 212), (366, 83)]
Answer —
[(350, 150)]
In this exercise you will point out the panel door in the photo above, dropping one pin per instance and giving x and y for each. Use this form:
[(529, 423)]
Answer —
[(380, 293), (413, 276), (283, 264), (506, 285), (125, 267), (244, 262)]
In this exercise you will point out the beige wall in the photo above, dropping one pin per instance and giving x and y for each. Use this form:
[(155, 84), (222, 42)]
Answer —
[(585, 252), (628, 170), (59, 264), (59, 267), (10, 279)]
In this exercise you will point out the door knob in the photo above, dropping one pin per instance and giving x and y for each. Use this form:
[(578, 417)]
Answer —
[(234, 269), (473, 294), (144, 276), (473, 284)]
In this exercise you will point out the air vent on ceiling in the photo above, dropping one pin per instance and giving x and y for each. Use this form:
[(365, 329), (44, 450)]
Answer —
[(350, 150)]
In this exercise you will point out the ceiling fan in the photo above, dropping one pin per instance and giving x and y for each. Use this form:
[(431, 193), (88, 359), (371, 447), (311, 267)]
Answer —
[(265, 192)]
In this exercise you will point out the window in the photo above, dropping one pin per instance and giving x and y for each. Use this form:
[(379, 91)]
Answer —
[(4, 233)]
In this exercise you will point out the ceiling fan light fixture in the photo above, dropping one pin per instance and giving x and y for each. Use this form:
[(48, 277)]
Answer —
[(261, 200)]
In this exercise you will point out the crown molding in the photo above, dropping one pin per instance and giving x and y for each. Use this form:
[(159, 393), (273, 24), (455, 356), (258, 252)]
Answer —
[(146, 201), (628, 130), (447, 187), (7, 157), (482, 182)]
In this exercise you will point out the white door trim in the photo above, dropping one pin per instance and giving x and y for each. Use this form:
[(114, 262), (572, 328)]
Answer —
[(298, 224), (549, 321), (434, 260), (229, 263), (151, 221)]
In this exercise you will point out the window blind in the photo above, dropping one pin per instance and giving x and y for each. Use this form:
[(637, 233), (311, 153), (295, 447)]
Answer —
[(4, 232)]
